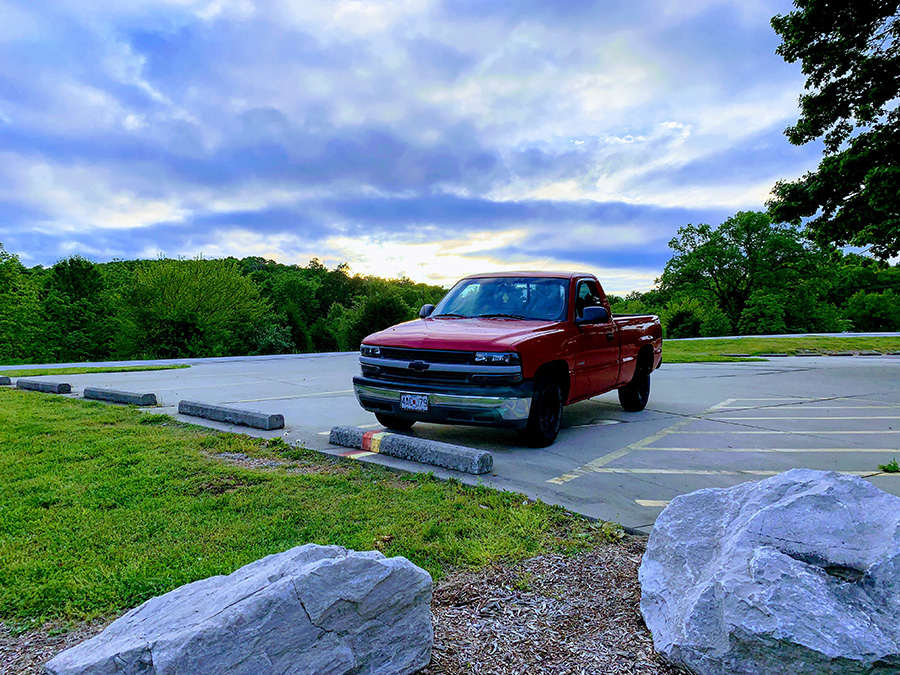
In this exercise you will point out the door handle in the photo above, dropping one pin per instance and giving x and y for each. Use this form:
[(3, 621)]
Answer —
[(610, 336)]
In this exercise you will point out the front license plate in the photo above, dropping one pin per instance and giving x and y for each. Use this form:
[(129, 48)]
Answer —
[(417, 402)]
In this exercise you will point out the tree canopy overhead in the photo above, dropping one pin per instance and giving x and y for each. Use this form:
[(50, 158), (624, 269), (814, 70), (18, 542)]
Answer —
[(850, 54)]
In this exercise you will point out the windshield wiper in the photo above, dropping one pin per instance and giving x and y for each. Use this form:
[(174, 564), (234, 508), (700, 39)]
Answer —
[(500, 315), (450, 315)]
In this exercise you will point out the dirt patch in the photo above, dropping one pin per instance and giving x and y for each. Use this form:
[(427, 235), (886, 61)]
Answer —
[(553, 614), (220, 486), (26, 653)]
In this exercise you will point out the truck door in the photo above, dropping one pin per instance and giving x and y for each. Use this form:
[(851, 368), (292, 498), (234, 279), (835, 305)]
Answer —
[(597, 357)]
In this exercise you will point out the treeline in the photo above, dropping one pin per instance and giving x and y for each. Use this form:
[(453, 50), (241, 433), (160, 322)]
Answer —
[(78, 310), (749, 276)]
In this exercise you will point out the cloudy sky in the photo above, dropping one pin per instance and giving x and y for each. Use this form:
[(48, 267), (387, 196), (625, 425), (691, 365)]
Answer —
[(429, 138)]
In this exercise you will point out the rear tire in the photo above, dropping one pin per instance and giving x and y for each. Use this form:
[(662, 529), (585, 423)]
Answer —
[(634, 396), (394, 423), (545, 415)]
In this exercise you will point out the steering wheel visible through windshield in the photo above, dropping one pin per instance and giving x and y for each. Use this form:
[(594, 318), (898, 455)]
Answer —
[(534, 298)]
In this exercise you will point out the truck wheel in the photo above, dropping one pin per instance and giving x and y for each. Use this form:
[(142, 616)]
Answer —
[(634, 396), (394, 423), (545, 415)]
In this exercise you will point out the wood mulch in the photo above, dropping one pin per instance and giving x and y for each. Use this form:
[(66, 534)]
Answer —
[(553, 614)]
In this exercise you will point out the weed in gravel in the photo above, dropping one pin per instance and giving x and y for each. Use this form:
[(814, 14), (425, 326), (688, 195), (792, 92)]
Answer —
[(890, 467)]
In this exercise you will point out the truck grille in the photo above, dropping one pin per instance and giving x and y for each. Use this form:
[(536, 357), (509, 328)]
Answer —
[(406, 375), (417, 366), (427, 355)]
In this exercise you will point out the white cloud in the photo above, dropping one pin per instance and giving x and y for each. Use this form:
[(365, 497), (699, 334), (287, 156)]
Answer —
[(80, 199)]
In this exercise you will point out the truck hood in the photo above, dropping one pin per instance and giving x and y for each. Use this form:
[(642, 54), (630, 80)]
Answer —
[(483, 335)]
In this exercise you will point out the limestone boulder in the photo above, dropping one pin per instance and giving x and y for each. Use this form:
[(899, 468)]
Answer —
[(310, 610), (798, 574)]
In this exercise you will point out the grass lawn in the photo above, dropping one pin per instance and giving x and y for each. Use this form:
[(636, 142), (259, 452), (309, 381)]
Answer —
[(102, 507), (691, 351), (35, 372)]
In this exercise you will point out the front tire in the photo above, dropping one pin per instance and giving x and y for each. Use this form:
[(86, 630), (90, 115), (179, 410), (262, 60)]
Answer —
[(634, 396), (545, 415), (394, 423)]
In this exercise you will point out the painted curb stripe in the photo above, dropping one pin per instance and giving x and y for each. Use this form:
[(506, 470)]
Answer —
[(371, 441)]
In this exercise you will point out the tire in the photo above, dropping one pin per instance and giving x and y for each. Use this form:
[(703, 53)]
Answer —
[(633, 396), (394, 423), (545, 415)]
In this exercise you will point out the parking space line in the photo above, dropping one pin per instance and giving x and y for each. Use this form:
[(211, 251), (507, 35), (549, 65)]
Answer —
[(741, 419), (596, 464), (721, 472), (188, 385), (723, 404), (599, 465), (361, 426), (679, 449), (819, 407), (806, 432), (285, 398), (589, 467), (780, 399), (652, 503)]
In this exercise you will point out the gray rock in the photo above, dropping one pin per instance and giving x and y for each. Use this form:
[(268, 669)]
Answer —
[(310, 610), (799, 574)]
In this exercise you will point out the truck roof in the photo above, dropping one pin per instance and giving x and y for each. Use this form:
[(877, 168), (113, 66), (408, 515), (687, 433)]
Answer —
[(531, 273)]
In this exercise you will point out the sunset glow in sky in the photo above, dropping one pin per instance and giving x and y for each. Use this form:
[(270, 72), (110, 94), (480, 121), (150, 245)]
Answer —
[(426, 138)]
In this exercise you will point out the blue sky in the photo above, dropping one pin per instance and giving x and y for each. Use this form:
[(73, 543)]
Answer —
[(429, 138)]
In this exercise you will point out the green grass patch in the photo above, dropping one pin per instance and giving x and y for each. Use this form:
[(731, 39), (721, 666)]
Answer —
[(35, 372), (890, 467), (102, 507), (693, 351)]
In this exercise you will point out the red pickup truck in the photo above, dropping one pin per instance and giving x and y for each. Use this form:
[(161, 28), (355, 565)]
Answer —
[(508, 349)]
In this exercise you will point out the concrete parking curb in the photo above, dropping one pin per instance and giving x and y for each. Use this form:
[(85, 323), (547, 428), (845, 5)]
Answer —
[(218, 413), (116, 396), (5, 381), (435, 453), (46, 387)]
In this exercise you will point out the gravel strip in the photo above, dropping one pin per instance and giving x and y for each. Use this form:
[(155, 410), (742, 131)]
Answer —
[(553, 614), (565, 615)]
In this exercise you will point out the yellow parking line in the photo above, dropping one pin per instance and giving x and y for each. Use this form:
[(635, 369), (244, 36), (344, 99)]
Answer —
[(717, 419), (719, 472), (780, 400), (589, 467), (674, 449), (594, 465), (820, 407), (807, 432), (652, 502)]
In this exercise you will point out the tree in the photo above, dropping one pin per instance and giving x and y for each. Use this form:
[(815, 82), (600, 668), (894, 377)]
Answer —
[(375, 313), (850, 54), (78, 311), (191, 308), (728, 264), (20, 322)]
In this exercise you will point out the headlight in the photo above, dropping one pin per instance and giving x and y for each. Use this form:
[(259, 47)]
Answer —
[(369, 350), (506, 358)]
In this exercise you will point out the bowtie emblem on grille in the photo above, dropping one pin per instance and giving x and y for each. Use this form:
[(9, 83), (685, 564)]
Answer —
[(418, 366)]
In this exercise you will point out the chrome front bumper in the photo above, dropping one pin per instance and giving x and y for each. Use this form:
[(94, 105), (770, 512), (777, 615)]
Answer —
[(506, 409)]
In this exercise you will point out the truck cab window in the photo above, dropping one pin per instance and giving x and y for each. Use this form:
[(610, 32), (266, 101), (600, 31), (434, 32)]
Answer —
[(587, 295)]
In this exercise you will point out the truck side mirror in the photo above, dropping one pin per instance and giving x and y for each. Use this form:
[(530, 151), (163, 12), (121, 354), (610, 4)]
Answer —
[(426, 311), (593, 314)]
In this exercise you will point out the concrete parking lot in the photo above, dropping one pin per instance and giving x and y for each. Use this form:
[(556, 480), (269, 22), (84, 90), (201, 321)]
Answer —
[(707, 425)]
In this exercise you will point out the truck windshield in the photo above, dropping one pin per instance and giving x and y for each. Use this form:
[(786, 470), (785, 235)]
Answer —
[(535, 298)]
